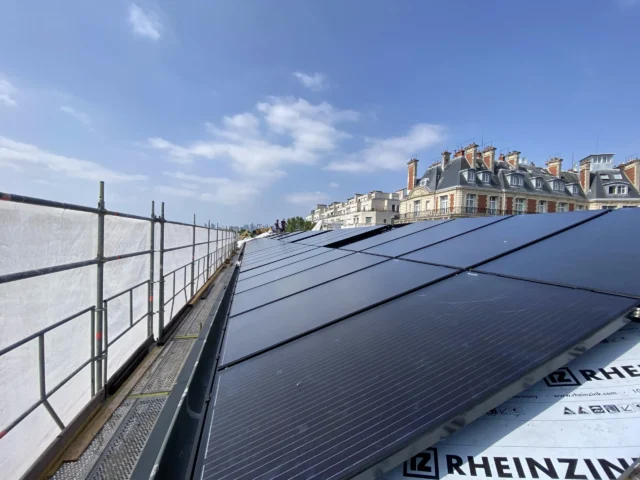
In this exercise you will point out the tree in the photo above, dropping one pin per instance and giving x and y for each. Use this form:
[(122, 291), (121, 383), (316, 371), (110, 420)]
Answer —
[(298, 224)]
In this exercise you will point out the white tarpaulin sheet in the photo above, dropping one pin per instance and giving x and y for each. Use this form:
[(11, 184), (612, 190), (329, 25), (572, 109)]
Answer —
[(34, 237), (582, 422)]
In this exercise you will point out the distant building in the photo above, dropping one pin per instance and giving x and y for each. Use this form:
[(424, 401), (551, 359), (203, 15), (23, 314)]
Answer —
[(475, 183), (373, 208)]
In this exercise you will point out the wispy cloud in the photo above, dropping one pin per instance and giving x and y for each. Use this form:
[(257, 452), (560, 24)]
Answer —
[(144, 24), (281, 131), (20, 155), (334, 184), (391, 153), (306, 198), (77, 114), (7, 92), (218, 189), (628, 3), (314, 82)]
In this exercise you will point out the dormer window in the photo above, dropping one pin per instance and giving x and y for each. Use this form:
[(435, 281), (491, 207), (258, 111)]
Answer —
[(617, 190), (486, 178), (471, 176), (516, 181), (604, 177), (538, 183), (574, 189), (423, 182), (558, 186)]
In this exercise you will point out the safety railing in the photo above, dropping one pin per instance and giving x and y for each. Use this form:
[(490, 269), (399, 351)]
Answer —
[(200, 270)]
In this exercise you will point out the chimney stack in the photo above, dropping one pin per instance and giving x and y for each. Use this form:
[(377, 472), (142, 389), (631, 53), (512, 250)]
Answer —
[(513, 159), (446, 155), (412, 174), (554, 166), (470, 154), (488, 157), (585, 174), (632, 170)]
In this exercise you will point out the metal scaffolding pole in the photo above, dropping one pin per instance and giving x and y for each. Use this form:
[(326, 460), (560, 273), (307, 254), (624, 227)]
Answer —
[(100, 288), (217, 230), (151, 273), (208, 241), (161, 279), (193, 254)]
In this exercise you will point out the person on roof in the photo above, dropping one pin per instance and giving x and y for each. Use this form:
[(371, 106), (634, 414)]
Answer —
[(277, 230), (284, 225)]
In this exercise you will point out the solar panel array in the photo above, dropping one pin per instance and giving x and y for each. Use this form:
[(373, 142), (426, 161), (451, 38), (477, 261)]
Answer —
[(339, 362)]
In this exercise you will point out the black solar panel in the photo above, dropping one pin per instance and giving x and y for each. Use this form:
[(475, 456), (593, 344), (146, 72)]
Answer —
[(309, 234), (601, 255), (486, 243), (281, 263), (394, 379), (273, 291), (245, 266), (433, 235), (289, 270), (392, 235), (312, 308), (281, 247), (338, 235)]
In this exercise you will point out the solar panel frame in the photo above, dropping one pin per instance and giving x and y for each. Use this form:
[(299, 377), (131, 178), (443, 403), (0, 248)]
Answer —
[(244, 267), (281, 365), (344, 234), (488, 243), (274, 275), (392, 235), (585, 265), (439, 233), (281, 263)]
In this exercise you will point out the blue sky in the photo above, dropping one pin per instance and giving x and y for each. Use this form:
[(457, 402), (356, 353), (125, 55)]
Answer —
[(247, 111)]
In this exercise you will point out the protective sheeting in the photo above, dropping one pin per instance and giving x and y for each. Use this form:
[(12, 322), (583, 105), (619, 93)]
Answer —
[(581, 422), (34, 237)]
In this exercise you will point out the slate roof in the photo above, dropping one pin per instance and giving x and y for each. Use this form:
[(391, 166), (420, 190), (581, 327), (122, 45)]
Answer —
[(453, 175), (599, 185)]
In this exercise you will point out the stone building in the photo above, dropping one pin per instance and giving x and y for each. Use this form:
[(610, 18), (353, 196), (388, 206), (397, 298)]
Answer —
[(373, 208), (474, 182)]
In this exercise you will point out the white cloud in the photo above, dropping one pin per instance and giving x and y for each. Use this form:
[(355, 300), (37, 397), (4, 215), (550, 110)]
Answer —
[(24, 155), (217, 189), (7, 92), (391, 153), (334, 184), (306, 198), (78, 115), (314, 82), (628, 3), (144, 24), (282, 131)]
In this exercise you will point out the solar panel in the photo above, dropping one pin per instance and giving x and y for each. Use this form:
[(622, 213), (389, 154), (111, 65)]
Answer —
[(292, 316), (272, 252), (264, 261), (433, 235), (281, 263), (309, 234), (273, 291), (392, 235), (289, 270), (389, 382), (344, 234), (601, 255), (486, 243)]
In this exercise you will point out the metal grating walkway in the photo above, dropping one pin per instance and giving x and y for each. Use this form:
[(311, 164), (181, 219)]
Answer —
[(113, 452)]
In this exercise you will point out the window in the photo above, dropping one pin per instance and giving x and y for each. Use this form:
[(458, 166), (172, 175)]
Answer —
[(355, 220), (423, 182), (367, 220), (562, 207), (471, 176), (519, 206), (538, 183), (493, 205), (580, 207), (558, 186), (471, 203), (416, 207), (617, 190), (541, 206), (486, 178), (516, 181), (617, 176), (604, 177), (444, 204), (384, 221), (426, 205), (574, 189)]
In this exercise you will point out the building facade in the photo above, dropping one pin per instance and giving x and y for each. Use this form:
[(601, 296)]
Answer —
[(474, 183), (373, 208)]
